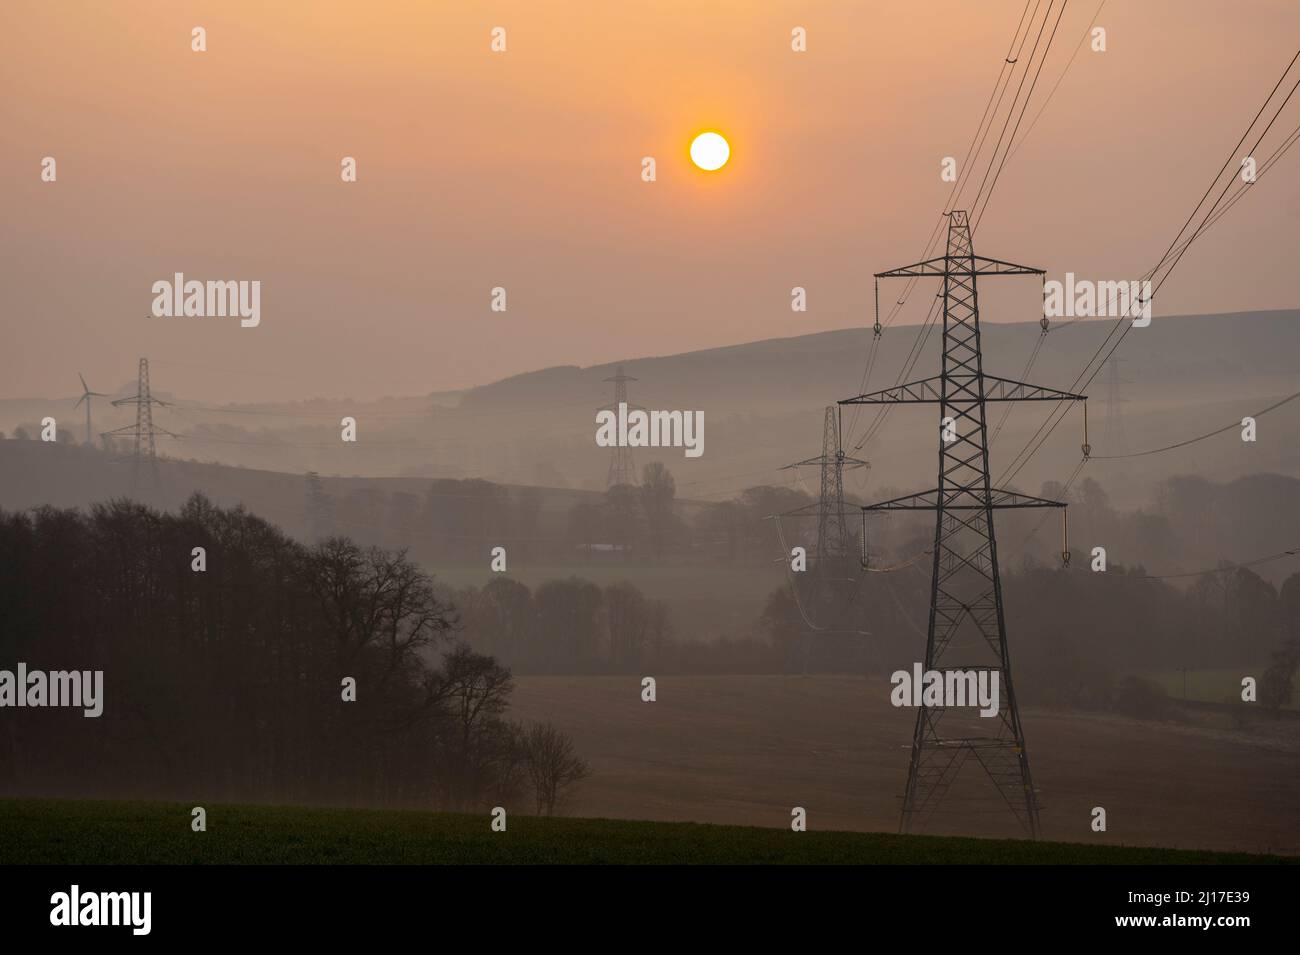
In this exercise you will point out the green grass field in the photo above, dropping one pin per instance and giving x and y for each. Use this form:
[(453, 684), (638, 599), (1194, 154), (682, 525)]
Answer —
[(82, 832)]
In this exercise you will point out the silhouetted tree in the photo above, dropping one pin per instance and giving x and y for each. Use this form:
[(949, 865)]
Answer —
[(568, 623), (280, 672), (627, 615), (477, 751), (553, 767)]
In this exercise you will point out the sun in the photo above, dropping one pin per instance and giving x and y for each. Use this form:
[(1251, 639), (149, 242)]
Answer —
[(710, 151)]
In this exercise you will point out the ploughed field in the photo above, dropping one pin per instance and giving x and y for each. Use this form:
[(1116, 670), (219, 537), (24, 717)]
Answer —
[(745, 750)]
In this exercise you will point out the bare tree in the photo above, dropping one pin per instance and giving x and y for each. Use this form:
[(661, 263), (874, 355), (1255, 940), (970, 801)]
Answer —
[(377, 600), (552, 765), (476, 749)]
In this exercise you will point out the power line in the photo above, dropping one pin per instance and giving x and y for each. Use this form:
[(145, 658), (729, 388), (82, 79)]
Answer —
[(571, 430), (1293, 552), (1079, 46), (1058, 413), (228, 371), (1042, 337), (1046, 50), (1231, 156), (968, 162), (303, 414), (1202, 437), (923, 334), (425, 413), (794, 591)]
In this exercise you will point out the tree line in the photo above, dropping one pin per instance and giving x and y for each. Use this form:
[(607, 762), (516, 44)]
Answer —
[(257, 669), (1077, 637)]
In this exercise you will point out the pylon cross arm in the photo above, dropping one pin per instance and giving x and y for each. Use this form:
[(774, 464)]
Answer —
[(959, 265), (1005, 389), (926, 391), (975, 500), (988, 388)]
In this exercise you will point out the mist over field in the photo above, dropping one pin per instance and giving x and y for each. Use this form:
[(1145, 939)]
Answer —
[(682, 577)]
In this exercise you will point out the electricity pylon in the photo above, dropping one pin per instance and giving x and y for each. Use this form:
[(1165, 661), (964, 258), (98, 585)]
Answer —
[(144, 460), (833, 539), (966, 589), (621, 468), (832, 585), (86, 395)]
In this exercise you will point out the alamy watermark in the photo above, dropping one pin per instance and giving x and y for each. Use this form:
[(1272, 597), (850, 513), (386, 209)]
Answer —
[(75, 907), (37, 688), (1083, 298), (211, 299), (650, 429), (946, 688)]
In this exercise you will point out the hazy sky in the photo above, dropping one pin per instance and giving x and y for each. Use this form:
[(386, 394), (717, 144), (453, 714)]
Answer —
[(522, 170)]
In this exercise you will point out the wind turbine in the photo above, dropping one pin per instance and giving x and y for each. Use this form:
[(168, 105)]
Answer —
[(86, 396)]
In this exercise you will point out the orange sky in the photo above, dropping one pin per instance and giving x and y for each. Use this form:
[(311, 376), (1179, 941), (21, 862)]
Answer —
[(522, 170)]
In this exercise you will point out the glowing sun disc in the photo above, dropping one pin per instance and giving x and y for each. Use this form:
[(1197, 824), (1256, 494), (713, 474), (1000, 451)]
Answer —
[(710, 151)]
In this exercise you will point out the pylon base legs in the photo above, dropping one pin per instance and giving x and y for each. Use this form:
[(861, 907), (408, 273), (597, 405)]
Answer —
[(938, 760)]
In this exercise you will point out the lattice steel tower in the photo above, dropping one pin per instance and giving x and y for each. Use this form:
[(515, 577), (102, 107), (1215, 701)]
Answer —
[(833, 538), (621, 468), (835, 572), (144, 460), (966, 590), (832, 528)]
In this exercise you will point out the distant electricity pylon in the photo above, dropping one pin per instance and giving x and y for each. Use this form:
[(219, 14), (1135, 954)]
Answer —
[(86, 395), (144, 462), (833, 538), (621, 468), (1115, 437), (966, 587), (832, 586)]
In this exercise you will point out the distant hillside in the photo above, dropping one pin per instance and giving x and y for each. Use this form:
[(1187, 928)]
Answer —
[(763, 404), (61, 475), (1222, 355)]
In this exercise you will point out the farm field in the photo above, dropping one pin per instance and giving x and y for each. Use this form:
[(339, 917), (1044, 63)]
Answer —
[(744, 750), (86, 832)]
